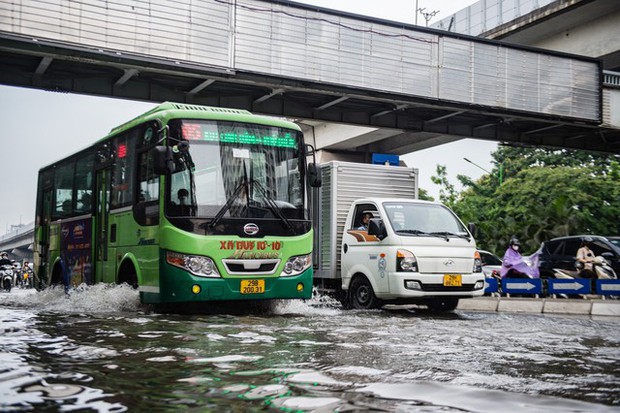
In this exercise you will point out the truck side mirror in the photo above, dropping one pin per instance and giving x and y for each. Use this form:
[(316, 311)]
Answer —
[(472, 229), (314, 175), (163, 160), (377, 228)]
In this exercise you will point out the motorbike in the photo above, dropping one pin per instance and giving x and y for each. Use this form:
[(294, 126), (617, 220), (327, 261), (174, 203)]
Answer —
[(6, 275), (27, 278), (601, 269)]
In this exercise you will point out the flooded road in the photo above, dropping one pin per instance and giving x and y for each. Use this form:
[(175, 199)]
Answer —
[(100, 350)]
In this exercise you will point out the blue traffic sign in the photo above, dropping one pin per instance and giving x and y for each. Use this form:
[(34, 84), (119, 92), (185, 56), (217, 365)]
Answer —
[(491, 285), (608, 287), (522, 286), (569, 286)]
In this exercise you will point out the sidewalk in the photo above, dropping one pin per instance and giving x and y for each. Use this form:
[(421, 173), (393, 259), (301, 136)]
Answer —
[(593, 306)]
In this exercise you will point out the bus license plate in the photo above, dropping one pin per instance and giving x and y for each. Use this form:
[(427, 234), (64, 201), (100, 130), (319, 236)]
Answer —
[(252, 286), (452, 280)]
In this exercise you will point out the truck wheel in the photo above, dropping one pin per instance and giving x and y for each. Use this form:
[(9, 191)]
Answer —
[(442, 304), (361, 295)]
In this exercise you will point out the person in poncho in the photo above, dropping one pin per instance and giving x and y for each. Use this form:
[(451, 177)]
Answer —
[(513, 264)]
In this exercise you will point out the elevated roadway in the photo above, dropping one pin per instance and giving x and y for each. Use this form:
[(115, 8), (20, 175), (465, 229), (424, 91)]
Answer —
[(18, 243), (389, 87)]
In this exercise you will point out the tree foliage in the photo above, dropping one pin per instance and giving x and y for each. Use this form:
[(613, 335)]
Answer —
[(544, 193)]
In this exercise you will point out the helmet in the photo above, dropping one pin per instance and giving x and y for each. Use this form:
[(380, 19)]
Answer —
[(514, 241), (587, 240)]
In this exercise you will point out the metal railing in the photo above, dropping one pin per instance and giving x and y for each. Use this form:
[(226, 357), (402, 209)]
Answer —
[(611, 79)]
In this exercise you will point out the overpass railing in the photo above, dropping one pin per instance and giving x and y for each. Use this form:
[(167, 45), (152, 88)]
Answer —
[(611, 79), (309, 44), (16, 233)]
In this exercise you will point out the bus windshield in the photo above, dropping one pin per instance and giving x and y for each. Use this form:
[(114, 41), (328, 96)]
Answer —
[(236, 170)]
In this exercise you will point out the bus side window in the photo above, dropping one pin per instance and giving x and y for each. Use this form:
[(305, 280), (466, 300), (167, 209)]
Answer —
[(84, 183), (63, 188), (146, 211)]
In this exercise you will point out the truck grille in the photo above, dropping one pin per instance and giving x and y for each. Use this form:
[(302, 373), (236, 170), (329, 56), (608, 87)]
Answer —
[(440, 287)]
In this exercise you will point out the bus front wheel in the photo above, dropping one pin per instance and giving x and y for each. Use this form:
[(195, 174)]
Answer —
[(128, 275)]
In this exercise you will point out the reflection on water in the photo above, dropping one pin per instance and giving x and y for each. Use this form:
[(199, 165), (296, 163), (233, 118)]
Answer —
[(100, 350)]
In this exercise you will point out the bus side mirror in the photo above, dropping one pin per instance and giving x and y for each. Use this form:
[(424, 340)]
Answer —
[(163, 160), (314, 175), (472, 229), (376, 227)]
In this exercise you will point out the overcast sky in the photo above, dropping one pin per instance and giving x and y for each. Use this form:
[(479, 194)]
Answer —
[(41, 127)]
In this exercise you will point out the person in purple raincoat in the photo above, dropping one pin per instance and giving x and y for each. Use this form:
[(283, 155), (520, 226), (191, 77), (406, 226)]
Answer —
[(513, 264)]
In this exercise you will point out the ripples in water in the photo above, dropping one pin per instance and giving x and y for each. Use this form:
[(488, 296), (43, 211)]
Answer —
[(99, 349)]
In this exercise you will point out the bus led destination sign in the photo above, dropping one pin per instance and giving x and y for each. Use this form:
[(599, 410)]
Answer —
[(253, 135)]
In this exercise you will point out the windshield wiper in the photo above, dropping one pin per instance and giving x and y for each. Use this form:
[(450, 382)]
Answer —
[(412, 231), (273, 206), (216, 219), (447, 235)]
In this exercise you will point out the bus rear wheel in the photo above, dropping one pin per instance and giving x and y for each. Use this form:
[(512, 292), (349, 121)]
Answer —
[(57, 276)]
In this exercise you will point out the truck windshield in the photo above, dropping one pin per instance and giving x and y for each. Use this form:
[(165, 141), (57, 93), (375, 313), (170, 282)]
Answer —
[(236, 170), (417, 219)]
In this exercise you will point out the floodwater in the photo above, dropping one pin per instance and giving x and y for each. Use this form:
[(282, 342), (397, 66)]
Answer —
[(100, 350)]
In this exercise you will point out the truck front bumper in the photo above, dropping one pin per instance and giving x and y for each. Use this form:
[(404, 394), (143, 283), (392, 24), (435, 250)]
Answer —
[(413, 285)]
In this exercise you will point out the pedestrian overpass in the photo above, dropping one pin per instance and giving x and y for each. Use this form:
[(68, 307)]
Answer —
[(356, 84)]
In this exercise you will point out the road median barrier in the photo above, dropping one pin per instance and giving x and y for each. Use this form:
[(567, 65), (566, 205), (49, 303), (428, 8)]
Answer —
[(593, 305)]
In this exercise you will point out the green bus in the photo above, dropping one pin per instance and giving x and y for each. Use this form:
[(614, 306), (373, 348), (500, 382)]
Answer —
[(186, 203)]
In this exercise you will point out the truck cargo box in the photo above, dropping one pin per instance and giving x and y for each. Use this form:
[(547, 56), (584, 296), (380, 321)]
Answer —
[(344, 182)]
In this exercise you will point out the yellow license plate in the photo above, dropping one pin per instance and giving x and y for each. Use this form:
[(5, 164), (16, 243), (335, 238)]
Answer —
[(452, 280), (252, 286)]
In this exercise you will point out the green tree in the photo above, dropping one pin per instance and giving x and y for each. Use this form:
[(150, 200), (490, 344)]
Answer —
[(424, 195), (545, 193), (447, 192)]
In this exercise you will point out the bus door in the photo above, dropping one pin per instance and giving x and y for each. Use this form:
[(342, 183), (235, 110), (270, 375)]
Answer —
[(103, 272), (44, 235)]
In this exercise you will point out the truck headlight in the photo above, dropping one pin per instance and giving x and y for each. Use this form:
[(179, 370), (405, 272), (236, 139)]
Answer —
[(406, 261), (296, 265), (477, 262), (195, 264)]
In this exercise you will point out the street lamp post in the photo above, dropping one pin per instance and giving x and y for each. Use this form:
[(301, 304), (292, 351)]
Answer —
[(500, 174)]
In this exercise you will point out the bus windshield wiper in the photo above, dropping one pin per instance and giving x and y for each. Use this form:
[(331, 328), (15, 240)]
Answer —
[(273, 206), (227, 205)]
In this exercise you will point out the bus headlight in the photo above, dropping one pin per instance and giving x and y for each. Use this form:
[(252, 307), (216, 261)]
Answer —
[(406, 261), (195, 264), (296, 265)]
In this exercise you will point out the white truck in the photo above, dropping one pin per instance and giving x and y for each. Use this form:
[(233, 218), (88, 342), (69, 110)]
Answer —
[(413, 252)]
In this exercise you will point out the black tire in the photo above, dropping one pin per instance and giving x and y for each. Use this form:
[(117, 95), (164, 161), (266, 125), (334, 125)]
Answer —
[(442, 304), (343, 298), (7, 285), (128, 275), (57, 277), (362, 296)]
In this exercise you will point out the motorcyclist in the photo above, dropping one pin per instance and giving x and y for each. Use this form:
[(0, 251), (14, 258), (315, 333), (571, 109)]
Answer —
[(4, 259), (26, 275), (513, 264), (584, 259), (6, 265)]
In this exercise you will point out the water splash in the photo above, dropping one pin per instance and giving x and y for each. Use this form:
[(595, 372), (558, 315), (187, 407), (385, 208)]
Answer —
[(93, 299)]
